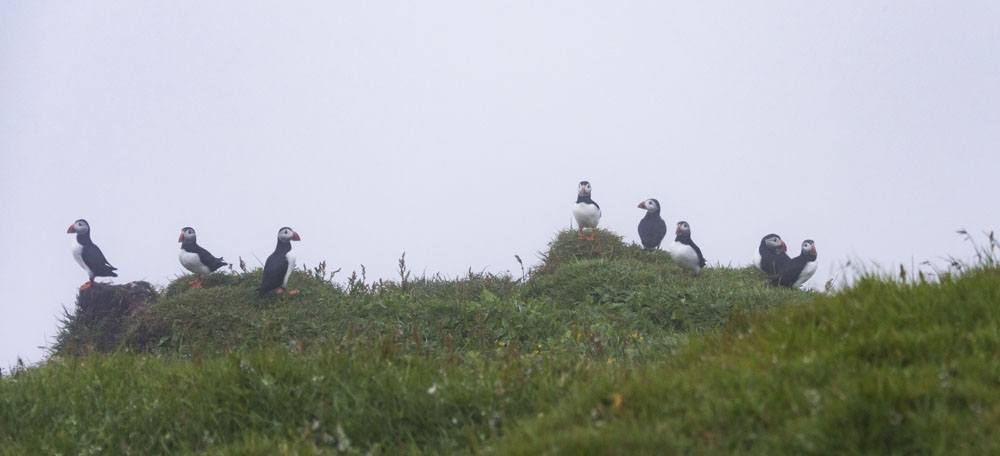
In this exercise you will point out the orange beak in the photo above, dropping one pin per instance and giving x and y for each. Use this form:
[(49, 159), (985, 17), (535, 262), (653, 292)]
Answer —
[(181, 237), (642, 205), (72, 228), (784, 248), (295, 236)]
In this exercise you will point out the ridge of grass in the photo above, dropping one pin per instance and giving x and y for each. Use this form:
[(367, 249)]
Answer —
[(595, 298), (884, 367), (604, 349)]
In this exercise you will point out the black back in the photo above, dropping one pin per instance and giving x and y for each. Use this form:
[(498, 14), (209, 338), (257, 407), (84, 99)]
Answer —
[(685, 238), (275, 268), (94, 258), (788, 274), (652, 230), (772, 260), (204, 256)]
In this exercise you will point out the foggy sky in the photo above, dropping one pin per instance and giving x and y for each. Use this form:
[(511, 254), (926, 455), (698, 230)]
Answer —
[(457, 131)]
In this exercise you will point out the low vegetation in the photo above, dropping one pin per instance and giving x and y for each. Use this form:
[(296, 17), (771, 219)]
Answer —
[(594, 298), (885, 367), (603, 348)]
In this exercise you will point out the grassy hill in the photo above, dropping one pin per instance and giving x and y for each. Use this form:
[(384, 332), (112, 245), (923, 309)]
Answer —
[(604, 348)]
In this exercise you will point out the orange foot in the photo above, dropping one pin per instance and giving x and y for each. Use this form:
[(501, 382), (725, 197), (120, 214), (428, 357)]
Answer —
[(580, 235), (196, 283), (279, 290), (87, 285), (592, 237), (293, 292)]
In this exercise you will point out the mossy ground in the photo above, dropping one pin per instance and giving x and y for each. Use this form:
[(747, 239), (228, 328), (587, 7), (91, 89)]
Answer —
[(604, 349)]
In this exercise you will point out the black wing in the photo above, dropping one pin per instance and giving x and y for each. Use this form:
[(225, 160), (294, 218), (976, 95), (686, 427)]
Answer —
[(274, 272), (652, 232), (701, 258), (208, 259), (772, 263), (95, 260), (790, 272)]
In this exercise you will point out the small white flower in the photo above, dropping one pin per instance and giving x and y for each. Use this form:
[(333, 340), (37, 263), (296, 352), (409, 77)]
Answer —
[(433, 389)]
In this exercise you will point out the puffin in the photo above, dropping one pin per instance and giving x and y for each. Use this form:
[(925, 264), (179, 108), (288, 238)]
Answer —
[(280, 264), (771, 254), (652, 228), (88, 255), (195, 258), (684, 251), (586, 212), (798, 270)]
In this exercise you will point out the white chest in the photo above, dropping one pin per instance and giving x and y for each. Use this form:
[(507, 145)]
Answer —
[(806, 274), (291, 267), (192, 262), (78, 255), (685, 256), (587, 215)]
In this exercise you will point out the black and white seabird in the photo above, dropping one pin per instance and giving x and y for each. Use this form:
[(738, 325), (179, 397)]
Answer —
[(280, 264), (195, 258), (88, 255), (771, 256), (586, 211), (684, 251), (652, 228), (798, 270)]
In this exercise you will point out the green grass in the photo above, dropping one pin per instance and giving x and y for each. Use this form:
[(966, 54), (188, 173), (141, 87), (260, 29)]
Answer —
[(604, 349), (376, 399), (884, 367), (594, 298)]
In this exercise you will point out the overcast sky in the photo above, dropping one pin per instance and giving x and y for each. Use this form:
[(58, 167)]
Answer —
[(457, 131)]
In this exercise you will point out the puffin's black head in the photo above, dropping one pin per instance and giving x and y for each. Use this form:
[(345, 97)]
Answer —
[(583, 189), (683, 228), (772, 242), (809, 248), (79, 226), (287, 234), (651, 205), (187, 234)]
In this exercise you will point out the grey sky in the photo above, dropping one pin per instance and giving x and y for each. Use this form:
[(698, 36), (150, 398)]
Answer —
[(457, 131)]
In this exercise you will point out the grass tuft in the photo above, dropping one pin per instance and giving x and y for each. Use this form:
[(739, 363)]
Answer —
[(101, 318)]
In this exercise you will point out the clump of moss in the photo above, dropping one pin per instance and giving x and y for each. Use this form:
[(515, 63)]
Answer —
[(568, 247), (101, 317), (217, 279)]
